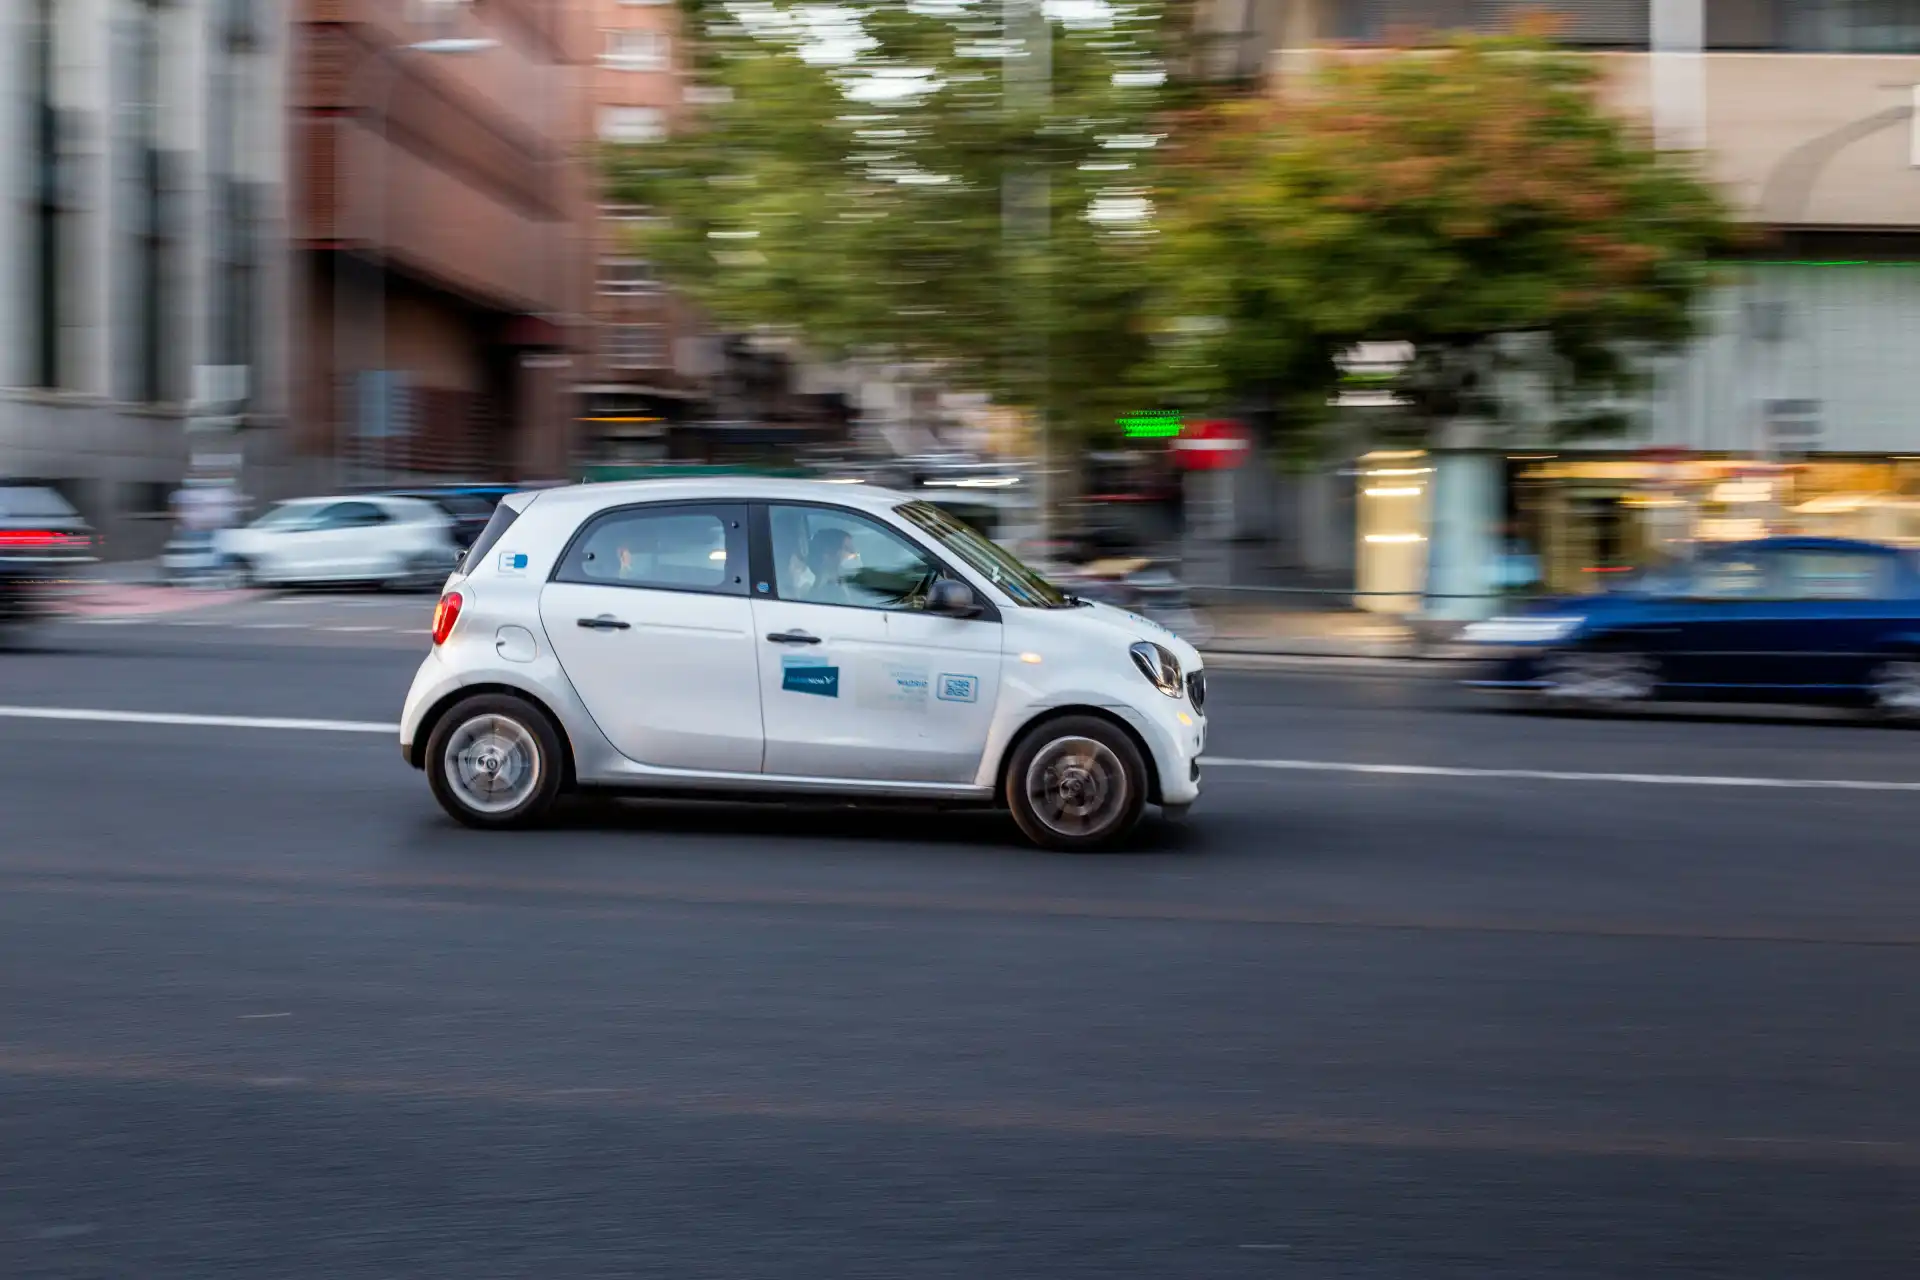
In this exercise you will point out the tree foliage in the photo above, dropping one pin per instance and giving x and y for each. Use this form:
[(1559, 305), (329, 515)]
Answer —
[(879, 182), (1473, 199)]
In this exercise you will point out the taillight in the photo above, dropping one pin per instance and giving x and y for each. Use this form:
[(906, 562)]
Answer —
[(40, 539), (445, 614)]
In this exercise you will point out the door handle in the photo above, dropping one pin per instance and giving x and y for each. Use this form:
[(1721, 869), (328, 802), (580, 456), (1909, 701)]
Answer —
[(605, 622), (792, 637)]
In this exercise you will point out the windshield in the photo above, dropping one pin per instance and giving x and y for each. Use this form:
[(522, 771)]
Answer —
[(1022, 585)]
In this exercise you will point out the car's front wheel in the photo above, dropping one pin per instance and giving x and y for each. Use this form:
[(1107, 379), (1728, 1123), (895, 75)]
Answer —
[(494, 761), (1602, 679), (1076, 784)]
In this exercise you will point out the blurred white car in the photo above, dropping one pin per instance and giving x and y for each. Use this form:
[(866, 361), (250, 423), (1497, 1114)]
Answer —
[(402, 543)]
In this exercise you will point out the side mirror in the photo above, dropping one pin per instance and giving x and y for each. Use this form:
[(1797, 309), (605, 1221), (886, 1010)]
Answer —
[(952, 599)]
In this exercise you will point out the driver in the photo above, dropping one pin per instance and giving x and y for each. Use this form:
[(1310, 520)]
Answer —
[(832, 561)]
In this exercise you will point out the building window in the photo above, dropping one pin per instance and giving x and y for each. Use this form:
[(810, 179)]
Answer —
[(637, 51), (636, 346), (625, 278), (632, 124), (1853, 26)]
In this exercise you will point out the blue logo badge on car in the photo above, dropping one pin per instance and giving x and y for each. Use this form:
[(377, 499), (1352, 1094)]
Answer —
[(959, 688), (513, 560)]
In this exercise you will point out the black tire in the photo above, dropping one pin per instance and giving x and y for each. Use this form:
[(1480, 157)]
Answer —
[(1601, 678), (517, 736), (421, 573), (1076, 784), (1895, 689), (242, 574)]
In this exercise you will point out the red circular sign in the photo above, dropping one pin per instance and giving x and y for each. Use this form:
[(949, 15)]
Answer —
[(1211, 446)]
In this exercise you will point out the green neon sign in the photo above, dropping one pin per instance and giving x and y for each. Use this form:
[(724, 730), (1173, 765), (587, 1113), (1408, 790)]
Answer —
[(1155, 424)]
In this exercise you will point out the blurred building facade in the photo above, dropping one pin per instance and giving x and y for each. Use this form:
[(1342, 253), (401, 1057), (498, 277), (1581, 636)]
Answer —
[(642, 376), (1793, 411), (660, 383), (142, 228), (442, 223)]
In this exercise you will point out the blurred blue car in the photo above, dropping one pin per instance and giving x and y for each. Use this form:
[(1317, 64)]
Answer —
[(1778, 620)]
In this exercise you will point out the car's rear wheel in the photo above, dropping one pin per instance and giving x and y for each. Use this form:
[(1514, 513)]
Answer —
[(494, 760), (1895, 686), (1600, 679), (420, 572), (1076, 784)]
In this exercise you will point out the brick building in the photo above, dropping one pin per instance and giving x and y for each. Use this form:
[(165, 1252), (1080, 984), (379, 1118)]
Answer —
[(441, 217)]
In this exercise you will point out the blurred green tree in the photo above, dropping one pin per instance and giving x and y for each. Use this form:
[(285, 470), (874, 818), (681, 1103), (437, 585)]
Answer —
[(922, 181), (1473, 199)]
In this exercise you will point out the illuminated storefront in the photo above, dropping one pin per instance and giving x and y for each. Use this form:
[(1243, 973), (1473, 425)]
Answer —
[(1585, 518)]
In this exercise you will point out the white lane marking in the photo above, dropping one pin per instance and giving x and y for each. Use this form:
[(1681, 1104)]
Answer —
[(353, 628), (95, 716), (270, 626), (249, 1016), (1562, 775)]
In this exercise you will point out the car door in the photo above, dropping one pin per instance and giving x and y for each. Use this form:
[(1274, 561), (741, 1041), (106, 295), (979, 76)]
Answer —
[(858, 681), (1717, 634), (648, 614), (315, 547), (1837, 605)]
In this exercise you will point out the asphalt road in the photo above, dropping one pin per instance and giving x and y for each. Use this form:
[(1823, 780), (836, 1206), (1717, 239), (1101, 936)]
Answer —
[(1560, 997)]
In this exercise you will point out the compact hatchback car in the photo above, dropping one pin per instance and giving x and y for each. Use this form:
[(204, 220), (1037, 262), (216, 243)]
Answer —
[(779, 638)]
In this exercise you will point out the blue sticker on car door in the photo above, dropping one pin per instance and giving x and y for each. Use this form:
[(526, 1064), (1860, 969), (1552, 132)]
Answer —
[(804, 673)]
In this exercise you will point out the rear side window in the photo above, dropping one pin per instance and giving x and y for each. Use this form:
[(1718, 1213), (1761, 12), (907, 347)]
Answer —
[(497, 526), (1836, 575), (34, 502), (672, 548)]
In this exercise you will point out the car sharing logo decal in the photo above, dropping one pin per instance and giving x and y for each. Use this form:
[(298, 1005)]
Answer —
[(803, 674), (513, 561), (958, 688)]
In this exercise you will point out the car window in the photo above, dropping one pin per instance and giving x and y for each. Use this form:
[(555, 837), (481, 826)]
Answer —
[(669, 547), (503, 516), (825, 556), (1731, 576), (34, 502), (288, 514), (352, 515), (1835, 575)]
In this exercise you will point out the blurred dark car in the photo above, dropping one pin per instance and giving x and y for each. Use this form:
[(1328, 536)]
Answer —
[(43, 541), (1779, 620)]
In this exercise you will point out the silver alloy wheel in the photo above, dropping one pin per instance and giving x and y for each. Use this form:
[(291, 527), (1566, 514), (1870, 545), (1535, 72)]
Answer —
[(1077, 787), (492, 763), (1896, 688), (1601, 676)]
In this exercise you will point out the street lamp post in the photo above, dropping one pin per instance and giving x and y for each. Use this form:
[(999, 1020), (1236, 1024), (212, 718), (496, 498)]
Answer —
[(385, 59)]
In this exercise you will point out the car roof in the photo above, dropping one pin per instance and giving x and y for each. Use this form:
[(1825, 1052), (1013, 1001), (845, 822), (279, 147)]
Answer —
[(724, 489), (1808, 543)]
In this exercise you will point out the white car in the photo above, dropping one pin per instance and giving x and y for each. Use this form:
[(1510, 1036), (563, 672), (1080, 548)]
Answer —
[(394, 542), (782, 638)]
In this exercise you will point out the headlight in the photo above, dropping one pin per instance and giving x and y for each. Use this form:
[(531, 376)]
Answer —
[(1521, 630), (1158, 665)]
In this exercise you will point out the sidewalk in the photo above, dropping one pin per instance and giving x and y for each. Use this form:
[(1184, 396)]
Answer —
[(134, 589)]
